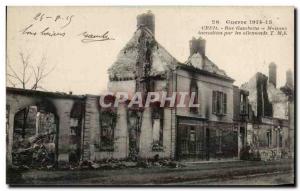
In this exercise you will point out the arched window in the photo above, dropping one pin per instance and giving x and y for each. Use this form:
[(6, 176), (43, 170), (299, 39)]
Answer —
[(35, 135)]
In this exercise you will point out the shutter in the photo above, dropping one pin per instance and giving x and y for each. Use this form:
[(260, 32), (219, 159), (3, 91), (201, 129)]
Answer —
[(218, 103), (221, 108), (224, 103), (214, 105)]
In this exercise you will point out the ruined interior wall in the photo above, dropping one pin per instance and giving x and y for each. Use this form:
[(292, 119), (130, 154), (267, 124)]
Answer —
[(257, 139), (280, 110), (274, 98), (251, 87), (121, 86), (261, 136), (279, 102)]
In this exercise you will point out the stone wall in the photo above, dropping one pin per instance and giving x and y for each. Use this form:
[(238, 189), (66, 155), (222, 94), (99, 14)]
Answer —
[(146, 150), (120, 145), (92, 148), (18, 99)]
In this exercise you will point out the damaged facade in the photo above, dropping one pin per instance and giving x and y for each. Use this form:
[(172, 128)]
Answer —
[(72, 128), (270, 127), (43, 127), (203, 133)]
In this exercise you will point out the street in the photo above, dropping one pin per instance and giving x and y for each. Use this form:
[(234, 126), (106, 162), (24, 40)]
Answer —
[(220, 173), (256, 179)]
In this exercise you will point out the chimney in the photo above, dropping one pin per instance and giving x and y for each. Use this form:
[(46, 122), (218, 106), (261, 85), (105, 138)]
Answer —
[(289, 79), (197, 46), (272, 73), (146, 20)]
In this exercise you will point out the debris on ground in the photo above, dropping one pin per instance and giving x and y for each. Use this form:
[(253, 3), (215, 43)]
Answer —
[(119, 164), (36, 151), (39, 152)]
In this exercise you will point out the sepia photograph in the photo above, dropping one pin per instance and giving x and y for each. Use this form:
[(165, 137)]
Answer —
[(150, 96)]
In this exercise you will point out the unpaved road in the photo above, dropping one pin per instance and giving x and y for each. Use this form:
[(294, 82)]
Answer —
[(278, 178), (226, 173)]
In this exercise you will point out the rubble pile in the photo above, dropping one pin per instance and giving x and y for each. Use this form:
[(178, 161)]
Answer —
[(250, 154), (120, 164), (37, 151)]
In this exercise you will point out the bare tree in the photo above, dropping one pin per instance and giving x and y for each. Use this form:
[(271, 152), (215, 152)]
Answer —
[(29, 76), (26, 74)]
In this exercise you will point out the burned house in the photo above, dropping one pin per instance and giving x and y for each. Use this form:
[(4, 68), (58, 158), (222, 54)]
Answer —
[(268, 129), (203, 133), (72, 128), (241, 108)]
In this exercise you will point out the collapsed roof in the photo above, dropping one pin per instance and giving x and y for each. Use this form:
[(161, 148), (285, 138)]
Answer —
[(125, 65), (204, 63)]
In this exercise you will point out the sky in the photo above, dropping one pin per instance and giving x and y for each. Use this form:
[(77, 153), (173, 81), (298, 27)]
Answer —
[(82, 67)]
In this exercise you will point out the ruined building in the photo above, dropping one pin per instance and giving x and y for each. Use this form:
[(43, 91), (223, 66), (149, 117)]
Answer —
[(269, 130), (74, 128), (203, 133)]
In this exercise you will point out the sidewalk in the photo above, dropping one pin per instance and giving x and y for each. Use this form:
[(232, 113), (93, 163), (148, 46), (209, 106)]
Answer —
[(211, 161)]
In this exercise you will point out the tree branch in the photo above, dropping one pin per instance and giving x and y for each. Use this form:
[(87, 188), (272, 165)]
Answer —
[(28, 71)]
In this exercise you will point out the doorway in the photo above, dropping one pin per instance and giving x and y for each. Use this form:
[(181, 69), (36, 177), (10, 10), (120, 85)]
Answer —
[(191, 142), (207, 145)]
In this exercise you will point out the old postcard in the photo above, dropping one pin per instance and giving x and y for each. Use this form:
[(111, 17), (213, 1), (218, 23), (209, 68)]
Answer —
[(150, 96)]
